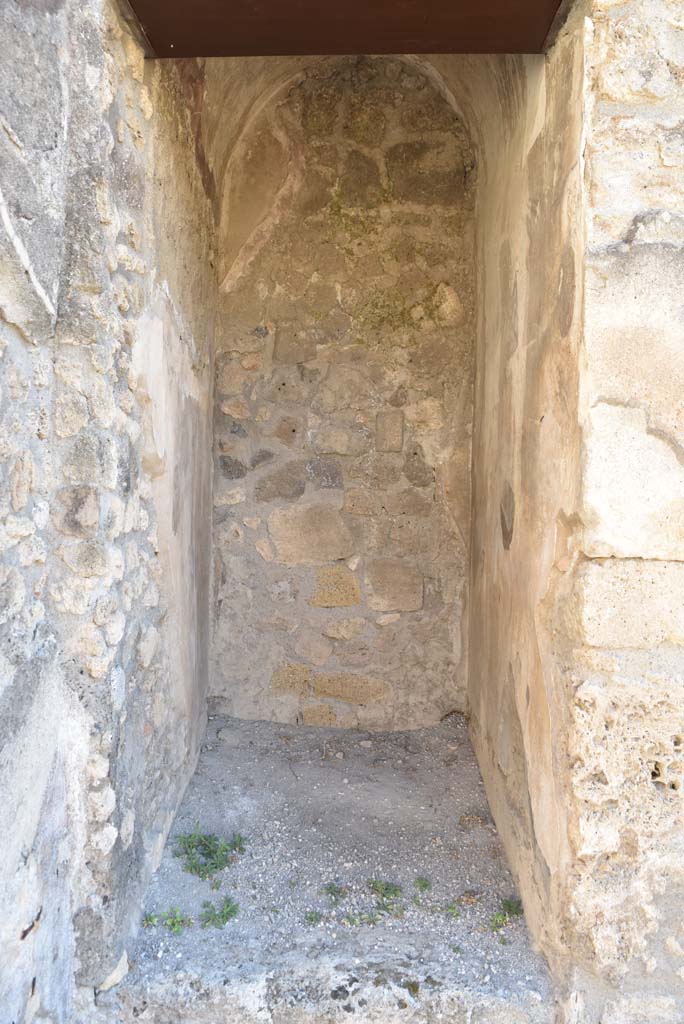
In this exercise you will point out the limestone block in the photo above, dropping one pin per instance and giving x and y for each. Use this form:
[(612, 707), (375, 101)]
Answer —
[(294, 345), (353, 689), (323, 473), (22, 479), (232, 469), (12, 593), (416, 470), (310, 535), (292, 679), (86, 558), (631, 603), (287, 482), (313, 647), (289, 430), (362, 502), (336, 587), (91, 460), (448, 306), (345, 629), (620, 287), (633, 488), (394, 586), (389, 430), (338, 440), (77, 512), (409, 502)]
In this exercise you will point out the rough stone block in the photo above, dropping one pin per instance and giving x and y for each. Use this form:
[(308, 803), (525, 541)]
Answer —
[(319, 714), (312, 535), (293, 345), (77, 512), (336, 587), (348, 687), (324, 473), (289, 431), (292, 680), (288, 482), (311, 646), (345, 629), (633, 487), (394, 586), (389, 430)]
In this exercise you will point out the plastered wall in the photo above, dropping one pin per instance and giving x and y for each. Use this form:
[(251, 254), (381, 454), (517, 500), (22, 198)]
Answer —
[(105, 334), (343, 404)]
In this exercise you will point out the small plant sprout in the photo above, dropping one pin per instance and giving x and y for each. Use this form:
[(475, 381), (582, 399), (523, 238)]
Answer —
[(176, 921), (453, 910), (498, 921), (334, 891), (205, 854), (150, 920), (422, 884), (218, 916), (388, 897), (512, 907), (313, 917)]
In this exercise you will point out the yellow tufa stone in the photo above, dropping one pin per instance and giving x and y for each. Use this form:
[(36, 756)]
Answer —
[(291, 680), (349, 687), (336, 587)]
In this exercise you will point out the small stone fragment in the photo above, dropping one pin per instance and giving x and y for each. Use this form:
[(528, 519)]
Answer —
[(389, 430)]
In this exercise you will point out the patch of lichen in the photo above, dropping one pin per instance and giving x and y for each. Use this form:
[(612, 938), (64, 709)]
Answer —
[(353, 221), (319, 112), (364, 121), (385, 309)]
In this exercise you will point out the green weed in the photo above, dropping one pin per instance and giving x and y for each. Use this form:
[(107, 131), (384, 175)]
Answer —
[(218, 917), (205, 854), (334, 891), (176, 921)]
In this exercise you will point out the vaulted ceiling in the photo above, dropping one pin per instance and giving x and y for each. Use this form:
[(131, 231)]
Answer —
[(239, 28)]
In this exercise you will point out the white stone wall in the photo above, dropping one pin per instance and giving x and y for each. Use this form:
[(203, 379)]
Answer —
[(626, 748), (106, 341)]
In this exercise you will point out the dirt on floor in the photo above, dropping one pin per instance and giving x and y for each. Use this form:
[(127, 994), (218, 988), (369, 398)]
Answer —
[(363, 878)]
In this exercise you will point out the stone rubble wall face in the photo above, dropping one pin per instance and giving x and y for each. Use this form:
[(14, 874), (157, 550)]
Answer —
[(106, 316), (343, 404)]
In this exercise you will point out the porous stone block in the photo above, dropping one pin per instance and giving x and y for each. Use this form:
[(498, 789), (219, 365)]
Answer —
[(346, 686), (631, 602), (394, 586), (77, 512), (311, 535), (389, 430), (336, 587), (319, 714), (291, 680)]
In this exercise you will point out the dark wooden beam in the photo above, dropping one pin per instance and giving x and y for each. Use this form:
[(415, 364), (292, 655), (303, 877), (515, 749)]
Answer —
[(242, 28)]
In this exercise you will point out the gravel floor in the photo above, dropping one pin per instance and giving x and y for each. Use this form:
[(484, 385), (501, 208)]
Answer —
[(329, 808)]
